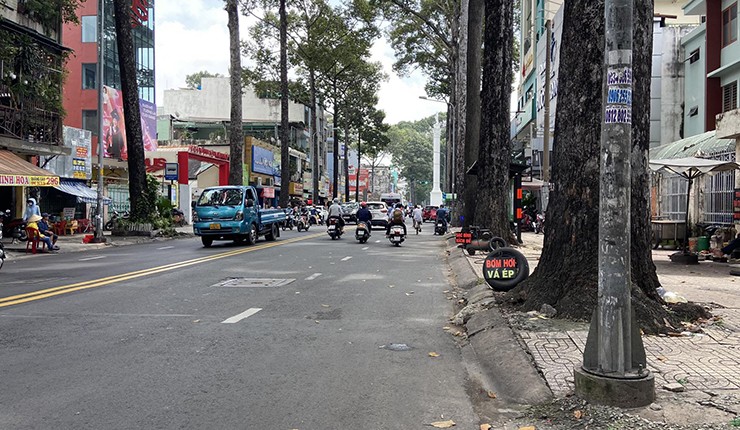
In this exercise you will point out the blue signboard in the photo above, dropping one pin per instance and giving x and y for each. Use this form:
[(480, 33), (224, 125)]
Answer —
[(263, 161)]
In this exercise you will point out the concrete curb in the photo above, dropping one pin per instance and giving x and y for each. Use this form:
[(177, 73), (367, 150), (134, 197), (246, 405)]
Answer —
[(465, 277), (510, 369)]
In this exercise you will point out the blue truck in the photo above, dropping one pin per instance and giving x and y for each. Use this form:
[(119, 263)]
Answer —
[(232, 213)]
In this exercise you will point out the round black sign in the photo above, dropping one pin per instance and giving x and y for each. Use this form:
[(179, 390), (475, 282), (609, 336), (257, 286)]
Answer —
[(504, 268)]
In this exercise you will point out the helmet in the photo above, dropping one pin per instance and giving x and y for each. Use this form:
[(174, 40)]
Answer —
[(363, 204), (336, 201)]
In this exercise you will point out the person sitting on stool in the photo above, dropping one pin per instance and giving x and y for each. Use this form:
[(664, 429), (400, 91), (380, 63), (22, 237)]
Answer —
[(45, 230)]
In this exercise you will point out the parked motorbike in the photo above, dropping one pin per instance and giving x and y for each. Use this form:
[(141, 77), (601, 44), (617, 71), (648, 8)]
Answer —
[(333, 229), (539, 225), (302, 222), (362, 232), (439, 227), (2, 247), (396, 236), (112, 221), (178, 217), (13, 228)]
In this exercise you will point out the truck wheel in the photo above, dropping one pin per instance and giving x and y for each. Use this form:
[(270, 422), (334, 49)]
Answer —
[(207, 241), (272, 234), (252, 235)]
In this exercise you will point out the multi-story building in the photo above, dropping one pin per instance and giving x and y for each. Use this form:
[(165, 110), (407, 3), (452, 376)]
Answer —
[(32, 60), (83, 82), (202, 114)]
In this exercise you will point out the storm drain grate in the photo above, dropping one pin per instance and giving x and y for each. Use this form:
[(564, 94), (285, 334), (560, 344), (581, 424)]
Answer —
[(253, 283)]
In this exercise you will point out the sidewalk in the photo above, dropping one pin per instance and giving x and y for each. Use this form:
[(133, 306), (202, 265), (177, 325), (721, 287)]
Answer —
[(73, 243), (707, 364)]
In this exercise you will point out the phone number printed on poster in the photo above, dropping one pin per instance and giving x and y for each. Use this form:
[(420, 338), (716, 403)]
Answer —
[(619, 96)]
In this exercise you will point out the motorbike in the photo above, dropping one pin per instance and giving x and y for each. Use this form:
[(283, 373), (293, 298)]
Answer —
[(539, 225), (439, 227), (362, 232), (112, 221), (289, 222), (333, 229), (13, 228), (302, 223), (2, 247), (178, 217), (396, 236), (417, 226)]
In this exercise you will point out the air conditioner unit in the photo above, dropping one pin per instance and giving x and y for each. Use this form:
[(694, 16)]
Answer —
[(270, 182), (259, 181)]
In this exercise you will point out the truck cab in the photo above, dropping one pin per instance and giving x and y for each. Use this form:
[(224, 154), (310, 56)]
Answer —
[(231, 213)]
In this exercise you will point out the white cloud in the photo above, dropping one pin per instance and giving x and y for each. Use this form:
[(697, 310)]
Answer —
[(191, 35)]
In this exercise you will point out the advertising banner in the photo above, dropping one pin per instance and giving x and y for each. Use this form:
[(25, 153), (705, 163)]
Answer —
[(148, 113), (263, 161), (78, 165), (29, 181), (114, 127)]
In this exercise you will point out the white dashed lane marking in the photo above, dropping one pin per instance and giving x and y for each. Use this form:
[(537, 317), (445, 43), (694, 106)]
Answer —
[(246, 314)]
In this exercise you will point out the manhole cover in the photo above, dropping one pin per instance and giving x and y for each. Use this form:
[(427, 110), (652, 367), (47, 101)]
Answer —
[(253, 283)]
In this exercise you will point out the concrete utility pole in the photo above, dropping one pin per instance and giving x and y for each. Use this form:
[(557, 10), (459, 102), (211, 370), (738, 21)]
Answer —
[(435, 196), (101, 135), (614, 368)]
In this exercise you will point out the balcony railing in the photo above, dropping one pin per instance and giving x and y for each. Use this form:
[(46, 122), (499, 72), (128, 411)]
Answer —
[(26, 120)]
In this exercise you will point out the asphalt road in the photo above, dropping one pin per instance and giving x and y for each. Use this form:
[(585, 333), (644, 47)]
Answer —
[(149, 337)]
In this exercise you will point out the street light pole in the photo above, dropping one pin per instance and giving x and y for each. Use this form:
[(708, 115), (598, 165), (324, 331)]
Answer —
[(101, 136)]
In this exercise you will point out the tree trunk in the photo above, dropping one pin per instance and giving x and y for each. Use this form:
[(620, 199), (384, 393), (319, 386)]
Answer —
[(460, 113), (236, 134), (494, 154), (359, 165), (476, 9), (335, 155), (284, 96), (140, 209), (314, 136), (567, 275)]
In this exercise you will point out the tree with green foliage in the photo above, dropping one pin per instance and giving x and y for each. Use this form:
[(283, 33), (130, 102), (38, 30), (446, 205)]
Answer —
[(193, 81), (412, 152), (236, 132)]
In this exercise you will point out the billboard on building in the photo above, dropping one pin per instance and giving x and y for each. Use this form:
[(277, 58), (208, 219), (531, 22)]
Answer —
[(77, 165), (263, 161)]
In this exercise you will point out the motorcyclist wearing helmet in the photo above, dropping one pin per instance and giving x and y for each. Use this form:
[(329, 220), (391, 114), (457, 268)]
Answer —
[(397, 218), (443, 214), (335, 211), (364, 215)]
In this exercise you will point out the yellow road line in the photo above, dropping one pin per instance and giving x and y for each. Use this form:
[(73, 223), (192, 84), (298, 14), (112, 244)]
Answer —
[(51, 292)]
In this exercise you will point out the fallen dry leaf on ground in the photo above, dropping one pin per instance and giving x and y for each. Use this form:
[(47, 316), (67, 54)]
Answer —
[(578, 414), (433, 354), (528, 428), (443, 424), (491, 394), (485, 427)]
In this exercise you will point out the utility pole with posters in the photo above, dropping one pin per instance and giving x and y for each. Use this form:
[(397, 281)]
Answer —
[(614, 370)]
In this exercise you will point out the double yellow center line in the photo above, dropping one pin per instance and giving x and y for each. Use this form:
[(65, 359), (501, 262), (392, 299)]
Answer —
[(64, 289)]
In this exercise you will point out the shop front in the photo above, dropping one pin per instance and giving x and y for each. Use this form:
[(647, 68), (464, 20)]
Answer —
[(20, 180)]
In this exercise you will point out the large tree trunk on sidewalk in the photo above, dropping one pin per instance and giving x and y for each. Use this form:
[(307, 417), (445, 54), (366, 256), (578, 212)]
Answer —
[(140, 209), (284, 124), (314, 138), (566, 276), (460, 88), (236, 134), (476, 10), (494, 154)]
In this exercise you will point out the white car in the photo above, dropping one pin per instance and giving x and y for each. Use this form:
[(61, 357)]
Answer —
[(380, 213)]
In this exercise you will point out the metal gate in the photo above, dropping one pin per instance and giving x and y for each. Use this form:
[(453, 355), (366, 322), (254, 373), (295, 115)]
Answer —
[(120, 198)]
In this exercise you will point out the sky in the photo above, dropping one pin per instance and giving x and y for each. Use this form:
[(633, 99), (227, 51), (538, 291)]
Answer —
[(191, 35)]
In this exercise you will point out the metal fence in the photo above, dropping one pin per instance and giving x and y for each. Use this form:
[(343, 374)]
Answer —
[(120, 198), (673, 201)]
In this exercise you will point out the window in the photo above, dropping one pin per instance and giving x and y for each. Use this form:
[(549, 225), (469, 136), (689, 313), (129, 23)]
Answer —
[(729, 97), (694, 57), (90, 121), (673, 203), (729, 25), (89, 74), (90, 28), (718, 192)]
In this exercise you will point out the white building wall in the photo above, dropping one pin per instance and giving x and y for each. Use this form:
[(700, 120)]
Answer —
[(212, 103)]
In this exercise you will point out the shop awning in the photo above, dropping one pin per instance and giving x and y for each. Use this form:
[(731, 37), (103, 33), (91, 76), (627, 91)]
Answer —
[(84, 193), (17, 172)]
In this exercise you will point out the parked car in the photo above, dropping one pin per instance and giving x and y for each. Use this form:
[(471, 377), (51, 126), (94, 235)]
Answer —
[(429, 213), (380, 213), (350, 212)]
